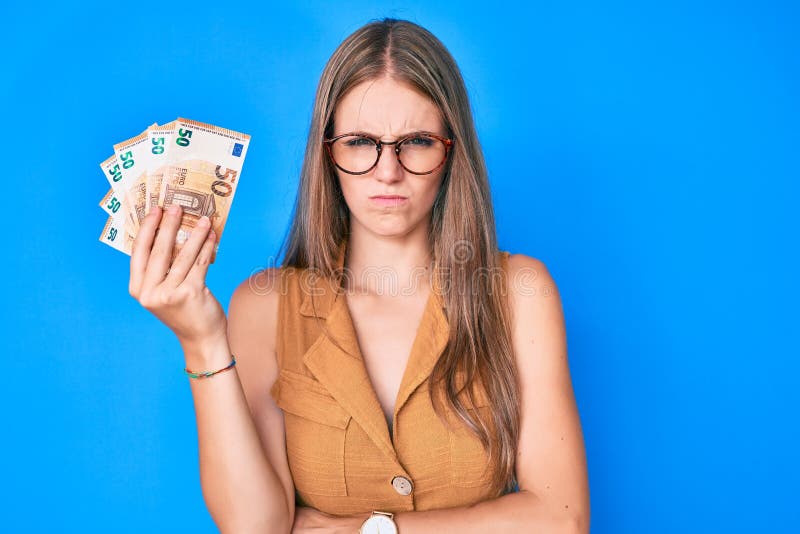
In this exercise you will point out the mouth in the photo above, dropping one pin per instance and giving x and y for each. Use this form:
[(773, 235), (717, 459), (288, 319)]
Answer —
[(388, 200)]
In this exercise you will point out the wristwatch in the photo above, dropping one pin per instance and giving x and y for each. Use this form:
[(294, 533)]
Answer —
[(379, 523)]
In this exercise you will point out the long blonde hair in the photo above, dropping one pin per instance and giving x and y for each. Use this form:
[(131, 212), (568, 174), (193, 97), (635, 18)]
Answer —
[(462, 233)]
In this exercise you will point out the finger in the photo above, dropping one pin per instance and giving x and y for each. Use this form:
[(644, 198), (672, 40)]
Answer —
[(141, 249), (197, 274), (186, 257), (161, 254)]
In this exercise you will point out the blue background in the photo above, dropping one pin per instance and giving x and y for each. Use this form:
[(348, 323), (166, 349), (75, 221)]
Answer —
[(647, 154)]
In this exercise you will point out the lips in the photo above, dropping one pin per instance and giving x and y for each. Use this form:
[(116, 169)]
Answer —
[(388, 201)]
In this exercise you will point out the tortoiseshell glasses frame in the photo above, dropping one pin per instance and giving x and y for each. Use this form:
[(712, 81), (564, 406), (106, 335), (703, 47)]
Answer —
[(447, 142)]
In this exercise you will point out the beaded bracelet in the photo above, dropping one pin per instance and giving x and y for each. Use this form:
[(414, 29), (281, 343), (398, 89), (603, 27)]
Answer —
[(206, 374)]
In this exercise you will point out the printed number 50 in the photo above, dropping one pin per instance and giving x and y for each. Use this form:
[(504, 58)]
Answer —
[(158, 145), (183, 137)]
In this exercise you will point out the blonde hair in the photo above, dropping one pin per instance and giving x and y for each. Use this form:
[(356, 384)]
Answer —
[(462, 233)]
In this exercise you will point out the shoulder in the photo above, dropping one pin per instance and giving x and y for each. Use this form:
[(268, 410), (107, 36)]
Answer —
[(253, 310), (529, 282), (259, 290), (537, 318)]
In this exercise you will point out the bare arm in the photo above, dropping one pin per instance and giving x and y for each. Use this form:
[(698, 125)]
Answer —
[(252, 330), (239, 438), (512, 513), (245, 477), (242, 491)]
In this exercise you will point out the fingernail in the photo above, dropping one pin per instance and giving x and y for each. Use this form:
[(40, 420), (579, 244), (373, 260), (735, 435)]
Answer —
[(212, 234), (174, 209), (204, 222)]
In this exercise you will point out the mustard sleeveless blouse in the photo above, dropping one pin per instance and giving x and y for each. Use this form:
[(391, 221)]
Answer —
[(341, 455)]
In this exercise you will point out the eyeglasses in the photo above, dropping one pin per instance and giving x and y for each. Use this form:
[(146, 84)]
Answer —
[(418, 152)]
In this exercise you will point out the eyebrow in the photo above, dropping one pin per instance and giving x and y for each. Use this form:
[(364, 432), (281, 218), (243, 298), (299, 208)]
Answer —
[(399, 136)]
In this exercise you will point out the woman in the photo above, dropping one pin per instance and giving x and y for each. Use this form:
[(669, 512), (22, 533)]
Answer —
[(349, 407)]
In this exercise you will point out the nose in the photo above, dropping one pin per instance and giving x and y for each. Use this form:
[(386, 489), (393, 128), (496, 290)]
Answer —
[(388, 168)]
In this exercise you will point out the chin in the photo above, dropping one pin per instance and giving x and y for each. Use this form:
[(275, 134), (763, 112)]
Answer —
[(385, 224), (390, 231), (384, 228)]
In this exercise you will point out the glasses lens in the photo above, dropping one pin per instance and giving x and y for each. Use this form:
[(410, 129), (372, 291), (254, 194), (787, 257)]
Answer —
[(422, 154), (354, 153)]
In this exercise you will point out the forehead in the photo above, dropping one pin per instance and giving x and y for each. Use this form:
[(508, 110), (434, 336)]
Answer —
[(386, 107)]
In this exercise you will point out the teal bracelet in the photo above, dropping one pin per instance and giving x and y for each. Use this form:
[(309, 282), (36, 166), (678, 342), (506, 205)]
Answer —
[(206, 374)]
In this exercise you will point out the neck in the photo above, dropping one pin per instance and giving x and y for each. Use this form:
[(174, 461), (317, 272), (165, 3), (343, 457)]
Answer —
[(387, 265)]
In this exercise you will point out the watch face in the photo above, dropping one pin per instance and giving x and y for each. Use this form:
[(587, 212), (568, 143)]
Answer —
[(379, 524)]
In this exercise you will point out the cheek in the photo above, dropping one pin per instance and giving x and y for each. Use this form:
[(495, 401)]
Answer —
[(351, 189), (427, 191)]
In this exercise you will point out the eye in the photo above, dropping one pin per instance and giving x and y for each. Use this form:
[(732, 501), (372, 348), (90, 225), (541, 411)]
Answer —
[(358, 141), (419, 141)]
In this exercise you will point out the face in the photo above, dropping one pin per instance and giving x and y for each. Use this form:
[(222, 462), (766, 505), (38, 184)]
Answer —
[(387, 110)]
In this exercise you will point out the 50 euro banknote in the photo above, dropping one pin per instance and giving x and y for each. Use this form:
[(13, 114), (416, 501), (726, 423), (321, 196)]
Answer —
[(194, 164), (160, 143), (119, 231)]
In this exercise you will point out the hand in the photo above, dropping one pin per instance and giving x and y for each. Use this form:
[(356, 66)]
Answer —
[(310, 520), (175, 291)]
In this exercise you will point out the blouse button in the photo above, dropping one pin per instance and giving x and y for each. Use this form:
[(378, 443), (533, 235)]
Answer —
[(402, 485)]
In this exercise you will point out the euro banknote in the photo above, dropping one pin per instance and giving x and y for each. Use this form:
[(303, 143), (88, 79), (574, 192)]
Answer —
[(186, 162)]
